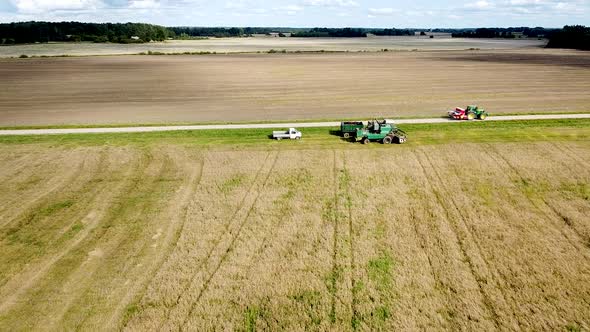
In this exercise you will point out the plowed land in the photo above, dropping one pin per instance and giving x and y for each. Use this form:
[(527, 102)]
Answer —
[(256, 87)]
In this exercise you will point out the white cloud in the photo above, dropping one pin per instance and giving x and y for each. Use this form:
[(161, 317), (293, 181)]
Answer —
[(480, 5), (288, 10), (245, 8), (545, 7), (330, 3), (40, 6), (549, 13), (294, 8), (532, 10), (527, 2), (382, 12), (144, 4), (236, 4)]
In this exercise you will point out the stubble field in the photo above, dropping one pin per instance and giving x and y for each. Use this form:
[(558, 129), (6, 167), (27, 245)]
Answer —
[(255, 87), (264, 44), (473, 236)]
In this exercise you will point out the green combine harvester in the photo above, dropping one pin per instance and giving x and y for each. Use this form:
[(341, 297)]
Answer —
[(384, 131)]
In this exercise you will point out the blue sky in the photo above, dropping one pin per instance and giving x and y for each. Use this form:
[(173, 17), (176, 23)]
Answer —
[(306, 13)]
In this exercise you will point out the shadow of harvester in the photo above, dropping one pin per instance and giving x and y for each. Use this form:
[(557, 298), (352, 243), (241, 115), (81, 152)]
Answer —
[(344, 139)]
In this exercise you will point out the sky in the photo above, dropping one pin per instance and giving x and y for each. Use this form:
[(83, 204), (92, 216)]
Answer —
[(306, 13)]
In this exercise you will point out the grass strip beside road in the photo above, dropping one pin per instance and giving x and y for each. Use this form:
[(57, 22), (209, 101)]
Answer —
[(418, 134)]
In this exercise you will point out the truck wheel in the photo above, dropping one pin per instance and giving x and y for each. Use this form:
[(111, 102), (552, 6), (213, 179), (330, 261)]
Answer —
[(346, 135), (470, 116), (365, 141), (278, 138), (483, 116), (387, 140)]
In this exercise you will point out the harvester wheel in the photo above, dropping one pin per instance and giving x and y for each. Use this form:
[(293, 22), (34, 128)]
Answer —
[(365, 140), (401, 139), (387, 140), (483, 116), (346, 135), (470, 116)]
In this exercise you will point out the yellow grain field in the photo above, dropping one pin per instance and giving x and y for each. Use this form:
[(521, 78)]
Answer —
[(450, 237)]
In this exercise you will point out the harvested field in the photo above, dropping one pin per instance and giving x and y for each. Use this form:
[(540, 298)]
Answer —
[(254, 87), (264, 44), (165, 236)]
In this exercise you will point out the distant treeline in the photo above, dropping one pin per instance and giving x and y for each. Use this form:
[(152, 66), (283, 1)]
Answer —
[(351, 32), (43, 32), (501, 32), (327, 32), (229, 32), (393, 32), (294, 32), (576, 36), (572, 36)]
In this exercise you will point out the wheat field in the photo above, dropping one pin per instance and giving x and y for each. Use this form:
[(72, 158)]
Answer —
[(166, 237)]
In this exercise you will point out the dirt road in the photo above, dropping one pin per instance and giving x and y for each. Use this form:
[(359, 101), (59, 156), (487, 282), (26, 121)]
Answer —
[(268, 125)]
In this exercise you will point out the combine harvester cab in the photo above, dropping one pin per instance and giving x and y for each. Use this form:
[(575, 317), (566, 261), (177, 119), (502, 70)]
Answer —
[(384, 131), (469, 113)]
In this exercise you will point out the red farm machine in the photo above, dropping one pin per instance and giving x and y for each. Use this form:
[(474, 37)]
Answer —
[(469, 113)]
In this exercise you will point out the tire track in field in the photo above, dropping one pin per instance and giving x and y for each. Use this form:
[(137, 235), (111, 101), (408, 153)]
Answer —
[(216, 244), (473, 270), (87, 185), (80, 191), (234, 238), (56, 184), (345, 182), (104, 199), (423, 244), (77, 277), (335, 266), (488, 267), (183, 203), (76, 192), (439, 284), (82, 273), (499, 278), (13, 167), (566, 150), (155, 169), (269, 236), (582, 249), (499, 158), (41, 270)]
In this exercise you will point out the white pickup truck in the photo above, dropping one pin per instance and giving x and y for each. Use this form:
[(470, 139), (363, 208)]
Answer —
[(292, 133)]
